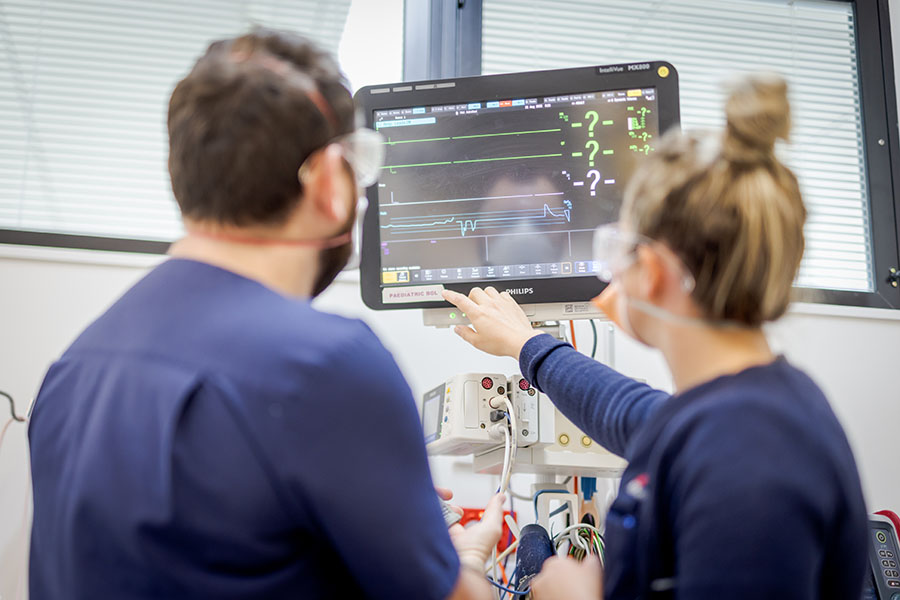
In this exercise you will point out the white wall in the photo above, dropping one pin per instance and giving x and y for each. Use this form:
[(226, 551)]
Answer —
[(47, 297), (44, 304)]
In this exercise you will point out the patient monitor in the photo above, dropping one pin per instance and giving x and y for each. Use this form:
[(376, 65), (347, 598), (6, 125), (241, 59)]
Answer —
[(501, 180)]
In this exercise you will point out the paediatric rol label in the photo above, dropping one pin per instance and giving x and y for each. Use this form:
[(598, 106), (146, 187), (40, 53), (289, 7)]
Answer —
[(415, 293)]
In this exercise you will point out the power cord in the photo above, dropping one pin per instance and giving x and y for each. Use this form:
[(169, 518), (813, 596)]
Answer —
[(510, 435), (12, 408), (509, 458), (13, 417)]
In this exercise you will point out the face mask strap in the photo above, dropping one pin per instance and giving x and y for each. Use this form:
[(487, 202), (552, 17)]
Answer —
[(670, 317), (687, 282)]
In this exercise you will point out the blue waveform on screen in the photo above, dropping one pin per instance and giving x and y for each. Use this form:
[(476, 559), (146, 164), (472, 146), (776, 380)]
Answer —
[(470, 225)]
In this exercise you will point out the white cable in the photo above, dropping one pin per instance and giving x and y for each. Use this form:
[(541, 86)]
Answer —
[(518, 496), (511, 446), (507, 452), (495, 562), (505, 553), (574, 527)]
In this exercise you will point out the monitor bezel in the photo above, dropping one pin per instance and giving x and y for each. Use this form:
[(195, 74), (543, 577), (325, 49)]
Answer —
[(500, 87)]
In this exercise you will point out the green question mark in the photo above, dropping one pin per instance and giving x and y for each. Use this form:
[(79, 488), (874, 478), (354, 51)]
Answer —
[(592, 114), (595, 147)]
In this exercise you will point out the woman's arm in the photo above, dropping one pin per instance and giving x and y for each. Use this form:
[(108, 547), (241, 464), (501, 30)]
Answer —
[(605, 404)]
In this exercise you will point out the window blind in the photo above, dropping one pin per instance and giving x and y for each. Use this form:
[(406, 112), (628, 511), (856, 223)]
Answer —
[(812, 43), (84, 89)]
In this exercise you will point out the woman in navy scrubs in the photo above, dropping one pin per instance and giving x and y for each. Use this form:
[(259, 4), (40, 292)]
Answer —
[(741, 485)]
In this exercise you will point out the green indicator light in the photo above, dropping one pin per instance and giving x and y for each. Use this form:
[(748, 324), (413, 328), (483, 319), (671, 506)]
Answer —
[(607, 122), (576, 124), (453, 315), (464, 315), (562, 143), (577, 154), (607, 152)]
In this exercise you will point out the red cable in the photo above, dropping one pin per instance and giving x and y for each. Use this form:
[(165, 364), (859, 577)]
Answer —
[(572, 326)]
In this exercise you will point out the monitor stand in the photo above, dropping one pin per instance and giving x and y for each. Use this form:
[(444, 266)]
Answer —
[(537, 313)]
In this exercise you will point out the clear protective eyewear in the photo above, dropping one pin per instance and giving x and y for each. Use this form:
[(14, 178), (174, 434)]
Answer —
[(615, 250), (364, 152)]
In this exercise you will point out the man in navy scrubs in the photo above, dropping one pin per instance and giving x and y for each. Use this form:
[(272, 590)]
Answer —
[(214, 436)]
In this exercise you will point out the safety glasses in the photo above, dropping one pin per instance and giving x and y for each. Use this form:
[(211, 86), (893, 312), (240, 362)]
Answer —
[(363, 150), (615, 250)]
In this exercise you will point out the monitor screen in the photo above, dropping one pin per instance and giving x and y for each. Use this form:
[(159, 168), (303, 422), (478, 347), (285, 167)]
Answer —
[(506, 189), (481, 189)]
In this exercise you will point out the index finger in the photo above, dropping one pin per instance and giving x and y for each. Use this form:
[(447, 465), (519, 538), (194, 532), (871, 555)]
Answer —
[(494, 510), (459, 301)]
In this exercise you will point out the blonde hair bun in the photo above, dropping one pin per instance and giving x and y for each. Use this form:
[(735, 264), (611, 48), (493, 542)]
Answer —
[(727, 207), (757, 113)]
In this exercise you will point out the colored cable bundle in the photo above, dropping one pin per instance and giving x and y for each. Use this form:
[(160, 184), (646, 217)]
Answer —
[(583, 539)]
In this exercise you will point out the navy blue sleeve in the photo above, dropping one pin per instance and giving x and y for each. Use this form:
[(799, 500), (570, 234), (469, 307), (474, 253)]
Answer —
[(750, 513), (365, 478), (605, 404)]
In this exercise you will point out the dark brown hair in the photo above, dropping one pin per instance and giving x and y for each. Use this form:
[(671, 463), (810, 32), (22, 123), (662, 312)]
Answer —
[(245, 118)]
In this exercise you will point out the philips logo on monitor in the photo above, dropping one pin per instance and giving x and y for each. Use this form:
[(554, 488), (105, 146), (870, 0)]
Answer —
[(519, 291)]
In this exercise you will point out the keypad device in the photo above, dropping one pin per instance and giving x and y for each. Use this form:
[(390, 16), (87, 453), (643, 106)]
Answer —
[(883, 553)]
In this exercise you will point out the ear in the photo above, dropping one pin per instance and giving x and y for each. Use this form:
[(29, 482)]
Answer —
[(652, 282), (323, 185)]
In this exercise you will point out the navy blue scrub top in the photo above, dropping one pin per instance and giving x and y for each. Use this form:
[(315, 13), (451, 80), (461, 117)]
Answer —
[(743, 487), (209, 438)]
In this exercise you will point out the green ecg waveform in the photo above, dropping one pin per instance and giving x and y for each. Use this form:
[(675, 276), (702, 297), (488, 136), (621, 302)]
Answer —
[(473, 160), (390, 142)]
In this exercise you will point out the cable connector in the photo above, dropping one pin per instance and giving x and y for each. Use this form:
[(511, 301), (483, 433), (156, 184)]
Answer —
[(496, 431), (497, 415)]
